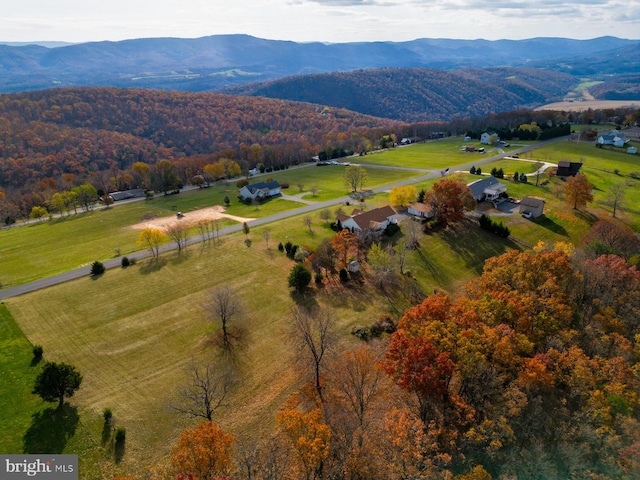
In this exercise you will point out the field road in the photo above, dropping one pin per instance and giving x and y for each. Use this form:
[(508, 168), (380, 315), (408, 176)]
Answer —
[(144, 254)]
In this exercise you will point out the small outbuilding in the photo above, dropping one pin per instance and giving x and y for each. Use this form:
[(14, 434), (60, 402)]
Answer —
[(420, 210), (531, 207), (568, 169)]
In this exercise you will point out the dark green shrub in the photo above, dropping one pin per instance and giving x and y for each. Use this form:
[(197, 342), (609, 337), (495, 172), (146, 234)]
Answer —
[(281, 247), (125, 262), (107, 414), (318, 277), (392, 229), (363, 333), (37, 351), (478, 171), (97, 268), (472, 170), (300, 277)]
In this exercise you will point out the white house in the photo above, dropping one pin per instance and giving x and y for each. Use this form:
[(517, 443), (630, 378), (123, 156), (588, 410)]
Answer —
[(485, 138), (614, 137), (488, 188), (260, 191), (377, 219)]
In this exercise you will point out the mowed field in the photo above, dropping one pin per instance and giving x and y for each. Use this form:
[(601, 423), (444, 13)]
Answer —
[(53, 246), (132, 332)]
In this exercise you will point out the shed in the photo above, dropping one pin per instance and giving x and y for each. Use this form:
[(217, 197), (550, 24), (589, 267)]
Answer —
[(531, 207), (568, 169), (421, 210)]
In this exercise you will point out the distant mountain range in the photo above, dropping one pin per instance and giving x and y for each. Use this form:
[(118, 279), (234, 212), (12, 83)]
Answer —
[(420, 80), (219, 61)]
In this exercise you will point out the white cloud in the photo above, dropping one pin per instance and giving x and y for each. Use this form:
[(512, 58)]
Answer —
[(317, 20)]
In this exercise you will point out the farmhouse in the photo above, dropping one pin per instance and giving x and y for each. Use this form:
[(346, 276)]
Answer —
[(488, 189), (568, 169), (614, 137), (260, 191), (420, 210), (377, 219), (531, 207), (486, 137)]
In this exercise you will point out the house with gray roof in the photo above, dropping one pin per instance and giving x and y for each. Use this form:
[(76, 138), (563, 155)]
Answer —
[(614, 137), (487, 189), (531, 207), (260, 191)]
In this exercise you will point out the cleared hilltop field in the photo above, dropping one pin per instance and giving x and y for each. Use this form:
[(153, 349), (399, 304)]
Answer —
[(132, 332)]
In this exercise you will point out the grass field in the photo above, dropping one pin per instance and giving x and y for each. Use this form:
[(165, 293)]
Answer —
[(132, 332), (50, 247)]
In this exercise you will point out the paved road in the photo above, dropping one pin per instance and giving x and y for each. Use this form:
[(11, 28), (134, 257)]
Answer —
[(143, 254)]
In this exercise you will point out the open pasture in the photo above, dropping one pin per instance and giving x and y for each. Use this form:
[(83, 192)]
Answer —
[(53, 246), (433, 155), (328, 180)]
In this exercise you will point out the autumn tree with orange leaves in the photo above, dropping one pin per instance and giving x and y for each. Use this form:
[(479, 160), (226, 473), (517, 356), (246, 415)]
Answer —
[(449, 199), (345, 244), (205, 452), (309, 437), (578, 191)]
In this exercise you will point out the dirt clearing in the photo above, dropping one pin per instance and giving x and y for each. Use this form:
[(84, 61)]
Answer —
[(188, 219)]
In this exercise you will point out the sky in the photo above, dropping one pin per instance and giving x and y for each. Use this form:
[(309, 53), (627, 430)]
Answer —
[(334, 21)]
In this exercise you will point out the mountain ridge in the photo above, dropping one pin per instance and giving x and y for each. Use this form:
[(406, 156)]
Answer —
[(219, 61)]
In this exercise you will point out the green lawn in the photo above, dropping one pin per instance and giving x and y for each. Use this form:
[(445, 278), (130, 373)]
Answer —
[(19, 371), (329, 180), (436, 155)]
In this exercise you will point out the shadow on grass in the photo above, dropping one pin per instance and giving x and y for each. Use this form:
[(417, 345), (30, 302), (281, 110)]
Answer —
[(50, 429), (305, 298), (107, 431), (35, 361), (475, 245), (152, 266), (588, 217), (549, 224), (118, 450)]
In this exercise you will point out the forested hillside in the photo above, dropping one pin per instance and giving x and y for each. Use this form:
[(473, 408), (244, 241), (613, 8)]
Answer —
[(418, 94), (623, 87), (219, 61), (83, 130)]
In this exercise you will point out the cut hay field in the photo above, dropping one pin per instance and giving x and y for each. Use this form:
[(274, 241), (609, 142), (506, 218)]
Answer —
[(132, 332)]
